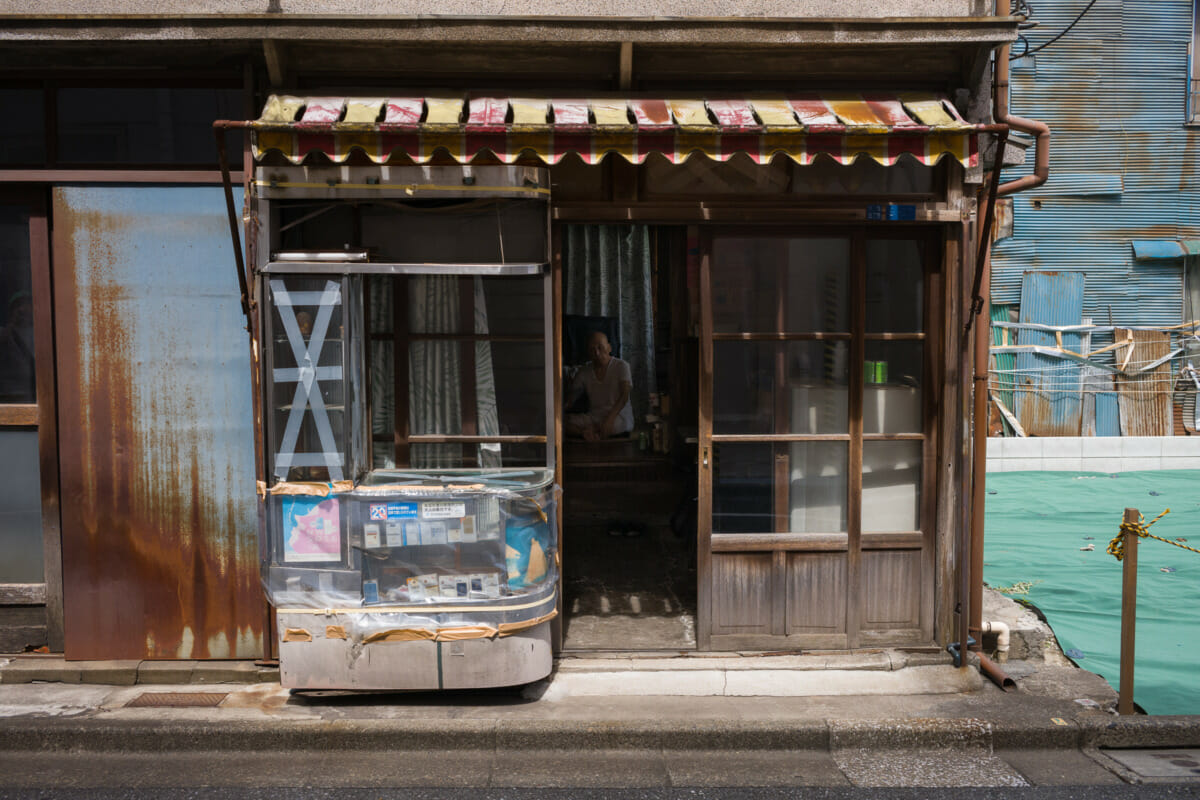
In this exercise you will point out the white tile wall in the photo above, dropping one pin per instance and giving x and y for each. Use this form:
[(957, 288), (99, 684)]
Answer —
[(1140, 464), (1093, 454), (1181, 463), (1026, 464), (1176, 447), (1062, 447), (1015, 447), (1141, 447), (1101, 446)]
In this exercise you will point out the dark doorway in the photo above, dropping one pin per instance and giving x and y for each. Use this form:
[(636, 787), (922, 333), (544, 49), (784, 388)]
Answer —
[(629, 574)]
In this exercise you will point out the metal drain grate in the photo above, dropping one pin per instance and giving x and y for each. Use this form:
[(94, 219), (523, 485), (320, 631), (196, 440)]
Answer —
[(177, 700)]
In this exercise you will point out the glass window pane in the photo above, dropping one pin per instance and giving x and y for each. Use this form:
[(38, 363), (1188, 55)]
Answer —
[(383, 403), (819, 487), (773, 284), (20, 508), (891, 486), (455, 232), (513, 306), (895, 286), (144, 125), (460, 456), (308, 430), (518, 384), (812, 397), (23, 135), (814, 474), (17, 377), (510, 388), (892, 387)]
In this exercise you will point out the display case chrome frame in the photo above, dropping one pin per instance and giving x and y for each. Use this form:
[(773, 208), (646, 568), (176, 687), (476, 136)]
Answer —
[(414, 182), (511, 659)]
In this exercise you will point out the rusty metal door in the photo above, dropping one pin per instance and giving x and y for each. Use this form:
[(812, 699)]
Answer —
[(156, 428)]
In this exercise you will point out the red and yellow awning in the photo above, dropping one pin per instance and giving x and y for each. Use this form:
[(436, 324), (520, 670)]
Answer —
[(802, 126)]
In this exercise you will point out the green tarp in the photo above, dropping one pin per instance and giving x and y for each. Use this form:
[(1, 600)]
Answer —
[(1038, 526)]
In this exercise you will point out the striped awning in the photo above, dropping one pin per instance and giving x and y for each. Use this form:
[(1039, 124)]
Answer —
[(801, 126)]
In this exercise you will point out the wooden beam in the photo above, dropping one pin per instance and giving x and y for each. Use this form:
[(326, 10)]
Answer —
[(704, 489), (626, 66), (22, 594), (19, 414), (276, 59)]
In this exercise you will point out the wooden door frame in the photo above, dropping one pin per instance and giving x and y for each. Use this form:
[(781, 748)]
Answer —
[(42, 416), (933, 262)]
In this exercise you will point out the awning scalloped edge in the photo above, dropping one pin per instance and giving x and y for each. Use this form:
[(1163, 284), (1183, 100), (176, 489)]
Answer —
[(550, 148)]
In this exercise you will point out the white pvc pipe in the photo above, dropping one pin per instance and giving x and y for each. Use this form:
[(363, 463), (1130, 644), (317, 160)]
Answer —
[(1002, 638)]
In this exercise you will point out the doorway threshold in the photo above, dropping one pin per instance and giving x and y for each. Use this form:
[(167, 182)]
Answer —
[(681, 673)]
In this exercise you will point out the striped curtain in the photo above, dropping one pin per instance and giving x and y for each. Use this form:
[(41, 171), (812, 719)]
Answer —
[(608, 273)]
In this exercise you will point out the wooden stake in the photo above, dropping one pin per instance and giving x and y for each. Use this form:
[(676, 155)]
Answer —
[(1128, 612)]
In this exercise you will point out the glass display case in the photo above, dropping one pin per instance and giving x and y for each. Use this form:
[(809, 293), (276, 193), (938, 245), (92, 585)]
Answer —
[(408, 526)]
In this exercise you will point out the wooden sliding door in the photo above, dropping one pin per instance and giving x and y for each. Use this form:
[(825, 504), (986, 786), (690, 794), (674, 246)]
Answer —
[(815, 439)]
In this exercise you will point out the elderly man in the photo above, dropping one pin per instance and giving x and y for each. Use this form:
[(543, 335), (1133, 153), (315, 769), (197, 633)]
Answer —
[(607, 382)]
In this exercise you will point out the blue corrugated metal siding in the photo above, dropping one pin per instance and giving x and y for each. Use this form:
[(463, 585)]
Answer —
[(1108, 416), (1123, 165), (1048, 399)]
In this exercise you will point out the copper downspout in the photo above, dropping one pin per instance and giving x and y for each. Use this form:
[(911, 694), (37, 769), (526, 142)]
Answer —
[(1041, 157), (982, 313)]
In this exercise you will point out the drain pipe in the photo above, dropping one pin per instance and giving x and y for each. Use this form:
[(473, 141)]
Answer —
[(994, 673), (1041, 171), (1003, 637), (1041, 157)]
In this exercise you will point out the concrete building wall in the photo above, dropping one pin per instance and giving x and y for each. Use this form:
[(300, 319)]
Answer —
[(799, 9)]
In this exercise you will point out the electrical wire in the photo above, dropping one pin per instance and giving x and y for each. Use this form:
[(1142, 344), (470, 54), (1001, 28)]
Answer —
[(1044, 45)]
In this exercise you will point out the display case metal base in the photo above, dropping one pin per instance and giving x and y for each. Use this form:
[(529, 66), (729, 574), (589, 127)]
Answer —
[(324, 660)]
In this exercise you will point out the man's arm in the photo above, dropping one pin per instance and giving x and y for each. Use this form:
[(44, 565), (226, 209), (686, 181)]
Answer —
[(615, 411), (575, 388)]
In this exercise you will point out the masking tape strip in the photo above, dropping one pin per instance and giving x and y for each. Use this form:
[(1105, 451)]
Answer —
[(322, 298), (309, 488), (285, 461), (457, 634), (431, 609), (308, 394), (291, 374)]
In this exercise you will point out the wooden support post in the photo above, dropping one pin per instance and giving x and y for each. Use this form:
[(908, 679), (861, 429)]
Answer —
[(1128, 612)]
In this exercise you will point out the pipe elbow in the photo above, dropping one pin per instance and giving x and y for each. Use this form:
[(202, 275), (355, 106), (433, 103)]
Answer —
[(1003, 637)]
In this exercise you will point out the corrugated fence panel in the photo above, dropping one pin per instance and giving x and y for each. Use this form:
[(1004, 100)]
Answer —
[(1010, 259), (156, 427), (1159, 19), (1048, 394), (1053, 17), (1066, 183)]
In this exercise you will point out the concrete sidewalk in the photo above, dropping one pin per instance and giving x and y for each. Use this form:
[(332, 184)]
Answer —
[(888, 719)]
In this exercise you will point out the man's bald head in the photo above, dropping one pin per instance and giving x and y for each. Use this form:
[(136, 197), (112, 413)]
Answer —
[(599, 350)]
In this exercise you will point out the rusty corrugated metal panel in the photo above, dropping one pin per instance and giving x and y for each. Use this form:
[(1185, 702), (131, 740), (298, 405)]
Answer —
[(1145, 399), (155, 427), (1048, 394)]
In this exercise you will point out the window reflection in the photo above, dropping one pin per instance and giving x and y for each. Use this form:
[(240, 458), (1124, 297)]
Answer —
[(776, 284), (17, 376)]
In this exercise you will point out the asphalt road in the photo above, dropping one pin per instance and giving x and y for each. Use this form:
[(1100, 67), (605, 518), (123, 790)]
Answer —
[(1148, 792)]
